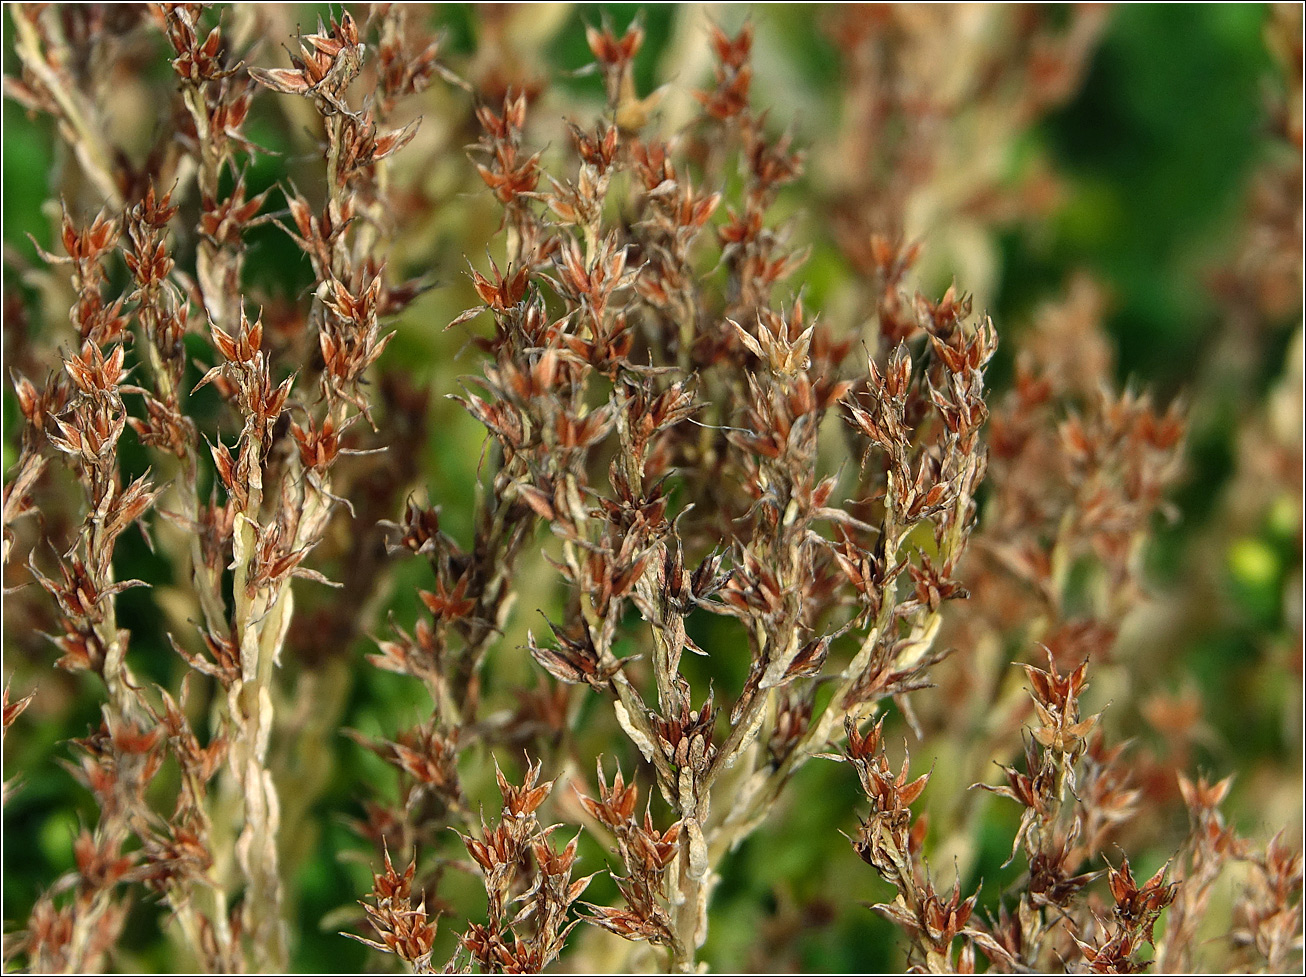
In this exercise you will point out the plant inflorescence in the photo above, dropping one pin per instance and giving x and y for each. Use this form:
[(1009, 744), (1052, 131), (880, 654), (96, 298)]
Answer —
[(707, 537)]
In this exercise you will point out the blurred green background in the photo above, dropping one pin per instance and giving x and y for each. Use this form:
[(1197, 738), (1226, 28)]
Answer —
[(1155, 153)]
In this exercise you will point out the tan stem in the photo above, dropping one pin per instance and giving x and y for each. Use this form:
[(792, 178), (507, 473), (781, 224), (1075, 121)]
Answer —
[(85, 136)]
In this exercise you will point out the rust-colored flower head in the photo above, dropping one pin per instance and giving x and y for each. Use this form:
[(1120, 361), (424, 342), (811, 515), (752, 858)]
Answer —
[(327, 62)]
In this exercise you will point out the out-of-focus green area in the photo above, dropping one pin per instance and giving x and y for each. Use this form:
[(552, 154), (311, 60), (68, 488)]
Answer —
[(1155, 154)]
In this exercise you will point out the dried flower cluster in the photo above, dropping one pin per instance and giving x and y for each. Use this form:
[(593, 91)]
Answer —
[(758, 534)]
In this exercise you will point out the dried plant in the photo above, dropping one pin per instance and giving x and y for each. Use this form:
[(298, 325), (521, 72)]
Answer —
[(757, 535)]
